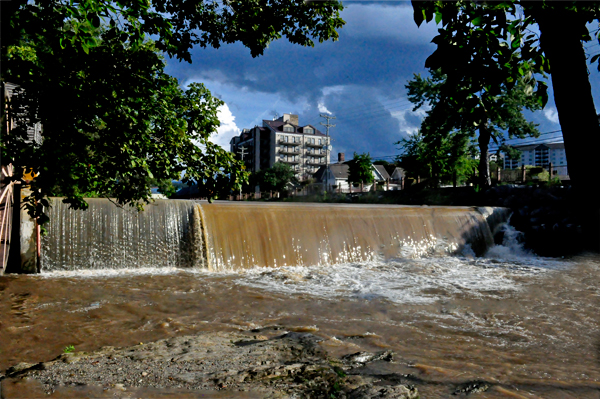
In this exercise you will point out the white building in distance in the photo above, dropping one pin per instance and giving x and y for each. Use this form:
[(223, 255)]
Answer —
[(540, 155)]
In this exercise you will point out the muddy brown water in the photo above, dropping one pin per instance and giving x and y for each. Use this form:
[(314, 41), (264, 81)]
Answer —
[(530, 327)]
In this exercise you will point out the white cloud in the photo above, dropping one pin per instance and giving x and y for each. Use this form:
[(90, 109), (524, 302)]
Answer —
[(552, 115), (409, 125), (323, 108), (250, 107), (228, 128), (332, 90)]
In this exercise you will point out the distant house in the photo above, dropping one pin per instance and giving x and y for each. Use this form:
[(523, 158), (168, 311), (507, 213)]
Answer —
[(397, 179), (381, 175), (335, 176)]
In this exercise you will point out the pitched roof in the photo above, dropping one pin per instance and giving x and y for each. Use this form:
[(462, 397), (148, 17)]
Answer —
[(339, 171), (398, 173), (381, 169), (278, 126)]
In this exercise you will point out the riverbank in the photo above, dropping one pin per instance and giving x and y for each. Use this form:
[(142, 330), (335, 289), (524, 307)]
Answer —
[(263, 363)]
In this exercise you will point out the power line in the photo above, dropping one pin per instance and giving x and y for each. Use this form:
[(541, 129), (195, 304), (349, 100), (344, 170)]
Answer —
[(327, 125), (242, 152), (380, 108), (532, 140), (377, 105)]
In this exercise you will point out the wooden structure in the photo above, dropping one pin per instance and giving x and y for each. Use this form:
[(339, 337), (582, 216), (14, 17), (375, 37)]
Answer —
[(6, 184), (10, 189)]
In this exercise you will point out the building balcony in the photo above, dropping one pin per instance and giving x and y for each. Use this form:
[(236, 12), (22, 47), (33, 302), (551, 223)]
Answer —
[(290, 161), (281, 141), (316, 145), (315, 154), (316, 163), (290, 152)]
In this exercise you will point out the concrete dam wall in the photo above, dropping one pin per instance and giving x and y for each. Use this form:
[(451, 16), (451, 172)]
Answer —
[(231, 235)]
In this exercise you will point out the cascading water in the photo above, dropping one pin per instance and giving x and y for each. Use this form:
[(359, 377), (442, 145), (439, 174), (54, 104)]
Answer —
[(230, 236), (261, 235), (108, 237)]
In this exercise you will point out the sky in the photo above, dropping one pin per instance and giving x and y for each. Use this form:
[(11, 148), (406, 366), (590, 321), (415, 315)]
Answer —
[(360, 79)]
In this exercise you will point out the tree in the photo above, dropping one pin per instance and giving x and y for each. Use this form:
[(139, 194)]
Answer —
[(452, 159), (115, 130), (457, 114), (493, 42), (383, 162), (360, 169), (276, 178), (413, 157), (510, 151), (113, 120)]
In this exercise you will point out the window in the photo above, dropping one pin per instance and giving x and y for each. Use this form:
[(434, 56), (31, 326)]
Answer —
[(289, 129), (320, 141), (308, 130)]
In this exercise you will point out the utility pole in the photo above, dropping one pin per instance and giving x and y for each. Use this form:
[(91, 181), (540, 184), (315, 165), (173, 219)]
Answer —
[(242, 152), (327, 125)]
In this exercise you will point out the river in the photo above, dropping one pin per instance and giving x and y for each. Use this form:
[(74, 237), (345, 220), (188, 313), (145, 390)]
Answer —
[(529, 326)]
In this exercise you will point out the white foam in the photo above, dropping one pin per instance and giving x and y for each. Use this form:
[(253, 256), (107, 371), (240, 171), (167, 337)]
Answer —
[(94, 273), (420, 280), (421, 277)]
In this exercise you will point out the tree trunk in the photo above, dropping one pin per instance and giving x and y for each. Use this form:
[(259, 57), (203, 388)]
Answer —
[(484, 158), (561, 42), (561, 32)]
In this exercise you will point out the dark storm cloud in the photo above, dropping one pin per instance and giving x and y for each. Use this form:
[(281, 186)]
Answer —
[(379, 49), (363, 124)]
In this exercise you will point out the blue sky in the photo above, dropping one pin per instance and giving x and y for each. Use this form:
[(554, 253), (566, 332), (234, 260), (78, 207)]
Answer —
[(359, 79)]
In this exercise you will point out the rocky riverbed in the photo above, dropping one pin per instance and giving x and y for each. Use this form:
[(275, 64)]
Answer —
[(265, 363)]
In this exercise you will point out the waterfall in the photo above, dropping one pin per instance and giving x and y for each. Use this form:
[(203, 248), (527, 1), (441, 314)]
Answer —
[(107, 236), (232, 235)]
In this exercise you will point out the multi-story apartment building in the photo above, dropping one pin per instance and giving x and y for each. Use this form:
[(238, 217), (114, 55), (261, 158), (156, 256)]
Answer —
[(541, 155), (538, 155), (304, 148)]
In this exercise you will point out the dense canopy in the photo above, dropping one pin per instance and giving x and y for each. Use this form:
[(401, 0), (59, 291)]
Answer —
[(114, 123)]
